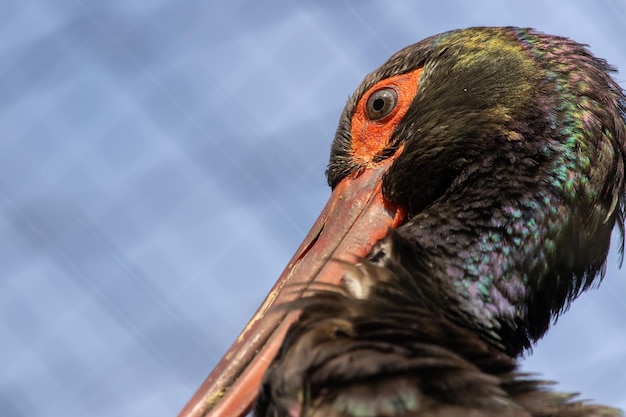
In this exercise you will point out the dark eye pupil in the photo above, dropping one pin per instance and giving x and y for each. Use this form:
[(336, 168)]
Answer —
[(378, 104), (381, 103)]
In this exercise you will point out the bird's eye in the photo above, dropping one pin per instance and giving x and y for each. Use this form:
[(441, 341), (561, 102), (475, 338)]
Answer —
[(381, 103)]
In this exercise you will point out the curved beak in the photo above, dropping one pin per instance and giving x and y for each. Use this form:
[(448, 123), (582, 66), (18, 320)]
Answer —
[(354, 219)]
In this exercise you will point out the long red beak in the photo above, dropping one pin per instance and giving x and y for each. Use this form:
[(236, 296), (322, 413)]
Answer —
[(354, 219)]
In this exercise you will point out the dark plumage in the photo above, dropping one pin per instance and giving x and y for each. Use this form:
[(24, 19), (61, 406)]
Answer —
[(511, 169), (388, 355)]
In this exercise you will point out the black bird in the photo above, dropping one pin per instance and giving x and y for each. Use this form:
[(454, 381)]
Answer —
[(477, 176)]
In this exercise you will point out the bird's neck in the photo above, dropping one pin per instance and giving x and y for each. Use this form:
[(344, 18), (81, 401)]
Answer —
[(503, 257)]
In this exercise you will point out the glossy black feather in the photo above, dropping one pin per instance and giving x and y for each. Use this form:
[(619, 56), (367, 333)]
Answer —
[(386, 355)]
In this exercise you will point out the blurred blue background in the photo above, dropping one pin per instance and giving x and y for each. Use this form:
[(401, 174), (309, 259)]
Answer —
[(160, 161)]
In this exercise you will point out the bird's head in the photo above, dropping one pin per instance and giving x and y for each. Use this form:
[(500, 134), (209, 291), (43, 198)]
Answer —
[(486, 164), (508, 151)]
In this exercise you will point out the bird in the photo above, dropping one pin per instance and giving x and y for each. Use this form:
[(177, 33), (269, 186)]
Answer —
[(477, 177)]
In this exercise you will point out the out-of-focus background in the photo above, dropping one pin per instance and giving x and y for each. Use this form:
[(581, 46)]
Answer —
[(160, 161)]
